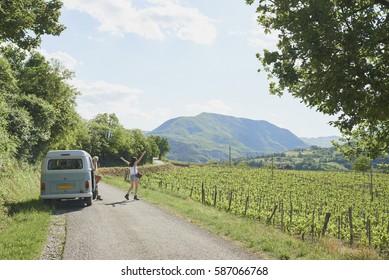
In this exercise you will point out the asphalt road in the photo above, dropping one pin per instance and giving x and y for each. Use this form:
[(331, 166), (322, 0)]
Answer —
[(117, 229)]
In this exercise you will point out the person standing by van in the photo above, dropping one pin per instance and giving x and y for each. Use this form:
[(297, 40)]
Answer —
[(134, 180), (95, 160)]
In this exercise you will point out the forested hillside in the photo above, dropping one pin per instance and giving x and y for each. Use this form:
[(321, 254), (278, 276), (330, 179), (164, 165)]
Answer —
[(208, 136)]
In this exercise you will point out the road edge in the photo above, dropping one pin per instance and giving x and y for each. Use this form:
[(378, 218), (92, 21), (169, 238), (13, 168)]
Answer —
[(55, 239)]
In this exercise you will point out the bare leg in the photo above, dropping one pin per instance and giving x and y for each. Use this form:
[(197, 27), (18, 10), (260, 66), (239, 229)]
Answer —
[(130, 189), (136, 187), (136, 190), (98, 179)]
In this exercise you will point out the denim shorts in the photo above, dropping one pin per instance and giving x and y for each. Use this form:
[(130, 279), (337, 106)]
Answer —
[(133, 177)]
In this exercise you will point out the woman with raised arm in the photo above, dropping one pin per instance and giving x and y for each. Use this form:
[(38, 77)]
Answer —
[(134, 180)]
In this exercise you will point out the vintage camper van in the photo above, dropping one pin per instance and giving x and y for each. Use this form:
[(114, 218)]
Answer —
[(67, 174)]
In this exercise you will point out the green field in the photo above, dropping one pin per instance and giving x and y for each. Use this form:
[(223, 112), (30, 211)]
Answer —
[(309, 205)]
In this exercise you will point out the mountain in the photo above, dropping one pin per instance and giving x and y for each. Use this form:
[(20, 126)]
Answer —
[(208, 136), (324, 142)]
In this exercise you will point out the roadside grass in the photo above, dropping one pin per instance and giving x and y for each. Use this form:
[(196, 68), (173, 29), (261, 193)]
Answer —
[(24, 219), (265, 241)]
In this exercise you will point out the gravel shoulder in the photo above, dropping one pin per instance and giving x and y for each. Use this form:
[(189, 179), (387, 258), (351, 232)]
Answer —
[(56, 238)]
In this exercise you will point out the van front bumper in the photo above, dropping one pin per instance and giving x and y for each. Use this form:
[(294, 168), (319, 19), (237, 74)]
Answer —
[(65, 196)]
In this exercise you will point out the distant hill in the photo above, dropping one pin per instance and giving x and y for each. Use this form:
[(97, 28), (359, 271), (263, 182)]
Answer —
[(324, 142), (208, 136)]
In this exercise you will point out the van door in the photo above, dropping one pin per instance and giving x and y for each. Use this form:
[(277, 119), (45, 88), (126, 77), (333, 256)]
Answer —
[(65, 175)]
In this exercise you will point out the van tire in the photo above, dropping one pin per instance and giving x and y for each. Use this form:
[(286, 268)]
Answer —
[(88, 201)]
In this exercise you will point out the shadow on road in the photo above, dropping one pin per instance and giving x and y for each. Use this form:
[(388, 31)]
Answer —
[(68, 205), (123, 202)]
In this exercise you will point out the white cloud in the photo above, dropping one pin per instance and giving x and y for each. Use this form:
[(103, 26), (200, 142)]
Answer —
[(66, 59), (156, 20), (102, 97), (211, 106), (260, 39), (257, 37), (103, 88)]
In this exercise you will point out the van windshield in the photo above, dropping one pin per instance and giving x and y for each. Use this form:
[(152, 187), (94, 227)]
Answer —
[(63, 164)]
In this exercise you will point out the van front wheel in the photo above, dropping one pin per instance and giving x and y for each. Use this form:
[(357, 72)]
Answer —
[(88, 201)]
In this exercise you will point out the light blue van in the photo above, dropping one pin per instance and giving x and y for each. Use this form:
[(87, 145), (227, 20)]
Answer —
[(67, 174)]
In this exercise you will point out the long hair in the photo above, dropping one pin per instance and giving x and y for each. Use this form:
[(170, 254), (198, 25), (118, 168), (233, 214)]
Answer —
[(95, 159), (133, 160)]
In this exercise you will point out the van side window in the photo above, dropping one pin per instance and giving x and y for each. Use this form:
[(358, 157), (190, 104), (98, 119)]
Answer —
[(64, 164)]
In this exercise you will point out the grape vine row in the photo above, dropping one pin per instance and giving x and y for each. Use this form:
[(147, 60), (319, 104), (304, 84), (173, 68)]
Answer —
[(348, 206)]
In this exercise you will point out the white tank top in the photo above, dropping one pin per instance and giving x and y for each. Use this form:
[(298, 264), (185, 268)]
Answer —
[(133, 170)]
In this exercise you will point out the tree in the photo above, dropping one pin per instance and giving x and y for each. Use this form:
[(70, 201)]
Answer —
[(77, 138), (109, 140), (7, 144), (23, 22), (152, 149), (36, 103), (334, 56), (40, 103), (163, 145), (31, 122), (362, 164), (107, 137), (139, 143)]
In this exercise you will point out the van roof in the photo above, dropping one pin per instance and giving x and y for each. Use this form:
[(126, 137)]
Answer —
[(63, 153)]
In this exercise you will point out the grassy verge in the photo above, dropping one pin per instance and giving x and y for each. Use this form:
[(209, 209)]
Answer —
[(24, 220), (266, 241)]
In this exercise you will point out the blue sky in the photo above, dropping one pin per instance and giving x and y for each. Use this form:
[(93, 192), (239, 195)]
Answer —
[(148, 61)]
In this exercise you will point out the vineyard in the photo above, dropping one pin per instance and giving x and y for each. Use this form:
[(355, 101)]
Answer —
[(352, 207)]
